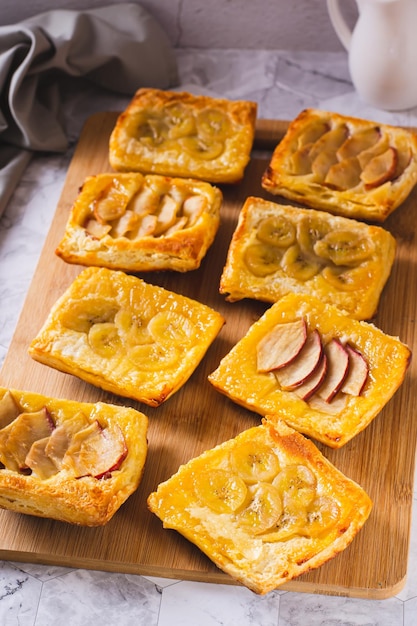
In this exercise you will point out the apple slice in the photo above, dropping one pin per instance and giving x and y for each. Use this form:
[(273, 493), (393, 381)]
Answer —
[(9, 409), (313, 382), (380, 169), (299, 369), (60, 439), (330, 408), (300, 160), (357, 374), (17, 438), (95, 451), (359, 142), (281, 345), (344, 174), (97, 229), (128, 222), (39, 462), (337, 368)]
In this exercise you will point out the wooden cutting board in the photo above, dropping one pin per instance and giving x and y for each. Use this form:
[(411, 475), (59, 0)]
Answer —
[(381, 458)]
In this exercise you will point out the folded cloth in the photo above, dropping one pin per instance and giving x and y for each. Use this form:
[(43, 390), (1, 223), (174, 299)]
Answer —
[(119, 47)]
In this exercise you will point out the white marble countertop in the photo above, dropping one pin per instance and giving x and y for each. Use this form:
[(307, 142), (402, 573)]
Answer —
[(282, 84)]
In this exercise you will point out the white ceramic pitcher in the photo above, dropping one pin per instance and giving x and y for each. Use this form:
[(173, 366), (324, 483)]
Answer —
[(382, 51)]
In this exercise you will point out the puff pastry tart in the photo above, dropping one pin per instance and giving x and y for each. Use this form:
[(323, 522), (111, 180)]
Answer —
[(326, 375), (75, 462), (345, 165), (128, 337), (278, 249), (265, 507), (180, 134), (141, 223)]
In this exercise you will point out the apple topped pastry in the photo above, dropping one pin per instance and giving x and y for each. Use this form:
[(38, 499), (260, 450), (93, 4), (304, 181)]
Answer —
[(265, 507), (324, 373), (71, 461), (181, 134), (278, 249), (141, 223), (119, 333), (345, 165)]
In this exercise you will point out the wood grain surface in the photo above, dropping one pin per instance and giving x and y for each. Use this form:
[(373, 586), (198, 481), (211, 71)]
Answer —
[(196, 418)]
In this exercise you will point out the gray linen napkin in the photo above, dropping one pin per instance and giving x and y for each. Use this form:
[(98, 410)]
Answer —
[(119, 47)]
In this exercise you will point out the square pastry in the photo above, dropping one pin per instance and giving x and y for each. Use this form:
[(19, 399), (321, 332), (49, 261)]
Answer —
[(139, 223), (265, 507), (181, 134), (322, 372), (279, 249), (75, 462), (346, 165), (119, 333)]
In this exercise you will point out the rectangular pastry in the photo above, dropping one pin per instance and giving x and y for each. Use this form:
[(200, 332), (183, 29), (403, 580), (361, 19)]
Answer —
[(139, 223), (75, 462), (119, 333), (346, 165), (265, 507), (327, 375), (181, 134), (278, 249)]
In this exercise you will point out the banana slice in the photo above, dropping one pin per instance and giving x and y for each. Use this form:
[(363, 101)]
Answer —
[(104, 339), (322, 514), (297, 486), (344, 247), (152, 357), (291, 522), (212, 123), (201, 148), (254, 461), (181, 123), (80, 316), (221, 490), (263, 510), (345, 278), (276, 230), (153, 131), (170, 327), (296, 265), (262, 259), (309, 231), (132, 328)]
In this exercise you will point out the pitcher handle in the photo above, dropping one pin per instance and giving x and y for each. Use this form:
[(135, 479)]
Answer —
[(339, 24)]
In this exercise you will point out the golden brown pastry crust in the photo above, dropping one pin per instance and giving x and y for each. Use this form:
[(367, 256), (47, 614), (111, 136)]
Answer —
[(128, 337), (380, 160), (141, 223), (181, 134), (352, 284), (263, 559), (238, 377), (86, 501)]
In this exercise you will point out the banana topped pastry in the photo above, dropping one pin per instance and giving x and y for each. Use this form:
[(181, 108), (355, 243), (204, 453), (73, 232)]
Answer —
[(141, 223), (75, 462), (345, 165), (265, 507), (181, 134), (279, 249), (327, 375), (119, 333)]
